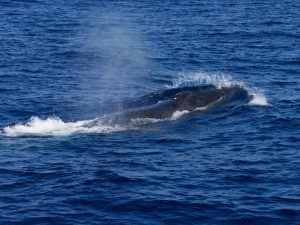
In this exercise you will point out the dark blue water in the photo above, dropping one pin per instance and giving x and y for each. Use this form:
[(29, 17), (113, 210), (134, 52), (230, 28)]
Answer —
[(63, 63)]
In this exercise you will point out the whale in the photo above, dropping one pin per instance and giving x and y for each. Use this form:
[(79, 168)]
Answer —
[(164, 105)]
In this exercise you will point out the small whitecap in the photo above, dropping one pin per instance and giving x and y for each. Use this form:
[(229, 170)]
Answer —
[(258, 99)]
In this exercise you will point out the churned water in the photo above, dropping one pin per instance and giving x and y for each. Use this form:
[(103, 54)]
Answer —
[(65, 64)]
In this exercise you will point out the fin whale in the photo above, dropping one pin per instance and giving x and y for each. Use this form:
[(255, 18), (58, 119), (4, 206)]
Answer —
[(176, 100)]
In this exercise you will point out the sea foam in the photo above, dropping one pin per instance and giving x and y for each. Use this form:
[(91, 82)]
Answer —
[(258, 99), (54, 126), (202, 78)]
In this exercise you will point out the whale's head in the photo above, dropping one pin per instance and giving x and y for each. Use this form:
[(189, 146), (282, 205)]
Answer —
[(190, 100)]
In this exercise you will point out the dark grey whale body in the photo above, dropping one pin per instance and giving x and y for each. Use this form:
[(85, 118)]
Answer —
[(186, 100)]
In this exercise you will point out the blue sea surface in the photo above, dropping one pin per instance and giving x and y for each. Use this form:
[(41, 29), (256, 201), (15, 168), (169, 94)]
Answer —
[(65, 63)]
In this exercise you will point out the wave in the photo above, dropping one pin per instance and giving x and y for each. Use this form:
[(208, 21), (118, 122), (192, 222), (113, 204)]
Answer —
[(54, 126)]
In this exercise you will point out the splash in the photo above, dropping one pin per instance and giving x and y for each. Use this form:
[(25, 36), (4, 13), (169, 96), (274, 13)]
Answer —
[(54, 126), (258, 99), (201, 78)]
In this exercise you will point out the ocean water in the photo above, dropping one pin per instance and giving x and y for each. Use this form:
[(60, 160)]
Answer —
[(64, 64)]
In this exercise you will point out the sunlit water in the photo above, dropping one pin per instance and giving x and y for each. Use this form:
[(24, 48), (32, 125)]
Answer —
[(66, 64)]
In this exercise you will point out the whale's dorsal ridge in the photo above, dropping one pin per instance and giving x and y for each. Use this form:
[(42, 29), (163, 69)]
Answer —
[(177, 100), (182, 95)]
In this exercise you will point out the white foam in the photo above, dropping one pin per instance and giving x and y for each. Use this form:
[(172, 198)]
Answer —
[(258, 99), (201, 108), (56, 127), (202, 78), (178, 114), (143, 121)]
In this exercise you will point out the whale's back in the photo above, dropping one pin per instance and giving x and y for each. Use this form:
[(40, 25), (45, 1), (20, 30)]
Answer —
[(183, 100)]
